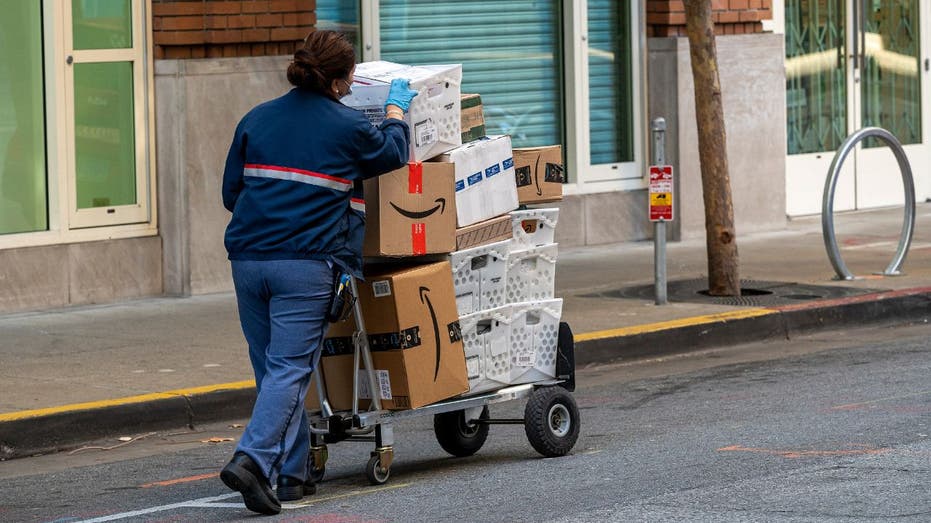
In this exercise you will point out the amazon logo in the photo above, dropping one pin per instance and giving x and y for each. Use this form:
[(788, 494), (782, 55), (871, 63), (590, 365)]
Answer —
[(453, 329), (420, 215), (425, 299)]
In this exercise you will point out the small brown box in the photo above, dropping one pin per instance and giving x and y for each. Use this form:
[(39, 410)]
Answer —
[(539, 173)]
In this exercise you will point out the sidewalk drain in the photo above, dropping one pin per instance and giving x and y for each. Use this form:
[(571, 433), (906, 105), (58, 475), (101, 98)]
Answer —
[(754, 293)]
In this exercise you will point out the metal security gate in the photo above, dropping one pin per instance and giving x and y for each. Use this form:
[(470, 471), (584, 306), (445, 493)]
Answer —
[(852, 64)]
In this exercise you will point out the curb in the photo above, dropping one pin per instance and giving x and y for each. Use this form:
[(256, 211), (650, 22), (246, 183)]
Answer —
[(753, 325), (48, 430)]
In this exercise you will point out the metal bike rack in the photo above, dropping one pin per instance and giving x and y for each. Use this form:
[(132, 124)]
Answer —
[(827, 203)]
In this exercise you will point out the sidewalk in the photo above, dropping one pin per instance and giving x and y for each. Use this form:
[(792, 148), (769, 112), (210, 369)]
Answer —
[(76, 374)]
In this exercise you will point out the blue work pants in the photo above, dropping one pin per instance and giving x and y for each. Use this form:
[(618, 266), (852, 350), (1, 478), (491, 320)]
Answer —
[(282, 309)]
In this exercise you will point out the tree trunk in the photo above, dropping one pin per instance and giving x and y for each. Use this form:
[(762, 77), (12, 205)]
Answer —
[(723, 277)]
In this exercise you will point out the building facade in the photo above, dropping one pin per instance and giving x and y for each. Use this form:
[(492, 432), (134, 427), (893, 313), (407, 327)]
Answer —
[(115, 120)]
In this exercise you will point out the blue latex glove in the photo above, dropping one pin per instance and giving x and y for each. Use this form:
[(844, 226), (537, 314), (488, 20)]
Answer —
[(400, 94)]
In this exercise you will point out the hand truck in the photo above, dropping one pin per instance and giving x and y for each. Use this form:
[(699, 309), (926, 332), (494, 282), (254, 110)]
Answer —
[(551, 417)]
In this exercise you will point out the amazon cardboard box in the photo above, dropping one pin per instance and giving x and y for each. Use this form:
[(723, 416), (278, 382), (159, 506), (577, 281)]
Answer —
[(473, 119), (411, 211), (413, 327), (434, 114), (494, 230), (485, 183), (539, 174), (336, 366)]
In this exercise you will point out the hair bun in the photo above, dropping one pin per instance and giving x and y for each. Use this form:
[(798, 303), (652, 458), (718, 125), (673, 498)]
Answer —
[(325, 56)]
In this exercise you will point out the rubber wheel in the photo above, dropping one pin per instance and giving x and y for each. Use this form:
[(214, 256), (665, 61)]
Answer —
[(375, 474), (551, 420), (457, 436)]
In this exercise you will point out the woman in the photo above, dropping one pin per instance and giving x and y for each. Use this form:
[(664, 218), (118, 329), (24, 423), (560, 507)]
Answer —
[(292, 179)]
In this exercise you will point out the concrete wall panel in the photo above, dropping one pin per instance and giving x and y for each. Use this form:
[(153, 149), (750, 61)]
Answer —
[(107, 271)]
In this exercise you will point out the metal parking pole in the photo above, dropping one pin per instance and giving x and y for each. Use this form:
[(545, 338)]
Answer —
[(658, 129)]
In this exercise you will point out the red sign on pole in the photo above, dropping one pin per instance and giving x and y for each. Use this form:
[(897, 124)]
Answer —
[(660, 193)]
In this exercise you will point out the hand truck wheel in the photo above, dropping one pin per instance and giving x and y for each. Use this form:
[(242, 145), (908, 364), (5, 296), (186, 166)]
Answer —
[(376, 474), (551, 421), (456, 435)]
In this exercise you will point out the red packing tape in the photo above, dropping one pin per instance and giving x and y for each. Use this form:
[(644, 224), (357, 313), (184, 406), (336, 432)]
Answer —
[(415, 178), (419, 238)]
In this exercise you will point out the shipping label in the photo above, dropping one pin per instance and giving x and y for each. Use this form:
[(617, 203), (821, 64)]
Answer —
[(382, 381), (425, 133), (526, 359), (474, 367), (381, 288)]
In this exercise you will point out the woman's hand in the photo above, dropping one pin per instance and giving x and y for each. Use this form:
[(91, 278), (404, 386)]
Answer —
[(400, 95)]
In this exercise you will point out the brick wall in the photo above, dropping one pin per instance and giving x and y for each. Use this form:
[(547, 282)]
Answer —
[(222, 28), (667, 17)]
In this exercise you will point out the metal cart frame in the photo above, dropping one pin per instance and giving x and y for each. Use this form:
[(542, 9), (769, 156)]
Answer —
[(461, 423)]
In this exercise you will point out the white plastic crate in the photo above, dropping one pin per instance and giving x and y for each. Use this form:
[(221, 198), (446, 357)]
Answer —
[(534, 340), (434, 116), (486, 337), (532, 274), (480, 277), (534, 227)]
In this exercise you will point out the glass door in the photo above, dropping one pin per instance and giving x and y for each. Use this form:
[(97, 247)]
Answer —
[(852, 64), (888, 71), (106, 113)]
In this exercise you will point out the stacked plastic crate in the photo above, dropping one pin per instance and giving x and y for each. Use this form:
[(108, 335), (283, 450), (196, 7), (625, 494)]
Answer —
[(505, 296)]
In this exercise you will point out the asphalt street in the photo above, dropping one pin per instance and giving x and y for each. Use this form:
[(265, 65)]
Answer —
[(828, 427)]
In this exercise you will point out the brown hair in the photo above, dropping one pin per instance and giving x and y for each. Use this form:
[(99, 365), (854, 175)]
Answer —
[(325, 56)]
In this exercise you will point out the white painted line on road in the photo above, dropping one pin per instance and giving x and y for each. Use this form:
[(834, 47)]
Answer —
[(160, 508), (216, 502)]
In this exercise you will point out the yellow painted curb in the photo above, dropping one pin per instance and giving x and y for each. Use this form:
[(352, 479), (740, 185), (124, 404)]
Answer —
[(14, 416), (238, 385), (673, 324)]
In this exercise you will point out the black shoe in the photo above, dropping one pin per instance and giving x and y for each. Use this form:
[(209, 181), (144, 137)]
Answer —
[(243, 475), (293, 489)]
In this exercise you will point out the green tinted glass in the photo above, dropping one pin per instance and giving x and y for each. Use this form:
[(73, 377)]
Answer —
[(102, 24), (816, 75), (105, 152), (610, 80), (342, 16), (23, 200), (890, 83)]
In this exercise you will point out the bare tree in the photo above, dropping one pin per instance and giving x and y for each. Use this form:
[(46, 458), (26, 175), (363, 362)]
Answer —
[(723, 277)]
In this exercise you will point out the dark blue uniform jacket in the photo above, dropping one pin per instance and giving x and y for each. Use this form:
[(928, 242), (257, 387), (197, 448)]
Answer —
[(293, 179)]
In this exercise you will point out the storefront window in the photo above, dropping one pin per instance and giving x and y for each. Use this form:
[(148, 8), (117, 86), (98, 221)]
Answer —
[(23, 196), (510, 54), (102, 24), (342, 16), (610, 82), (105, 143)]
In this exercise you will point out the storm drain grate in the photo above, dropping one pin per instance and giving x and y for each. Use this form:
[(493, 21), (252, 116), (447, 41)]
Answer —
[(754, 293)]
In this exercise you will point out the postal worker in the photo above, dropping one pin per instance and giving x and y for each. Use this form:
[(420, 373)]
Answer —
[(293, 183)]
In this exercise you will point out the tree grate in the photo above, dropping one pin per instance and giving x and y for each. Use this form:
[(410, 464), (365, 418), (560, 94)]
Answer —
[(754, 293)]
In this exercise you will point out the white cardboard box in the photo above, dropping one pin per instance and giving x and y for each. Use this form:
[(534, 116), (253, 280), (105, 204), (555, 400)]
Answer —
[(485, 183), (534, 340), (532, 274), (534, 227), (434, 115), (480, 277), (486, 338)]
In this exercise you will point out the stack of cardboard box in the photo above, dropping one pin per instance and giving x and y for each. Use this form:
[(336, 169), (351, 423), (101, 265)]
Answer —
[(465, 302)]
